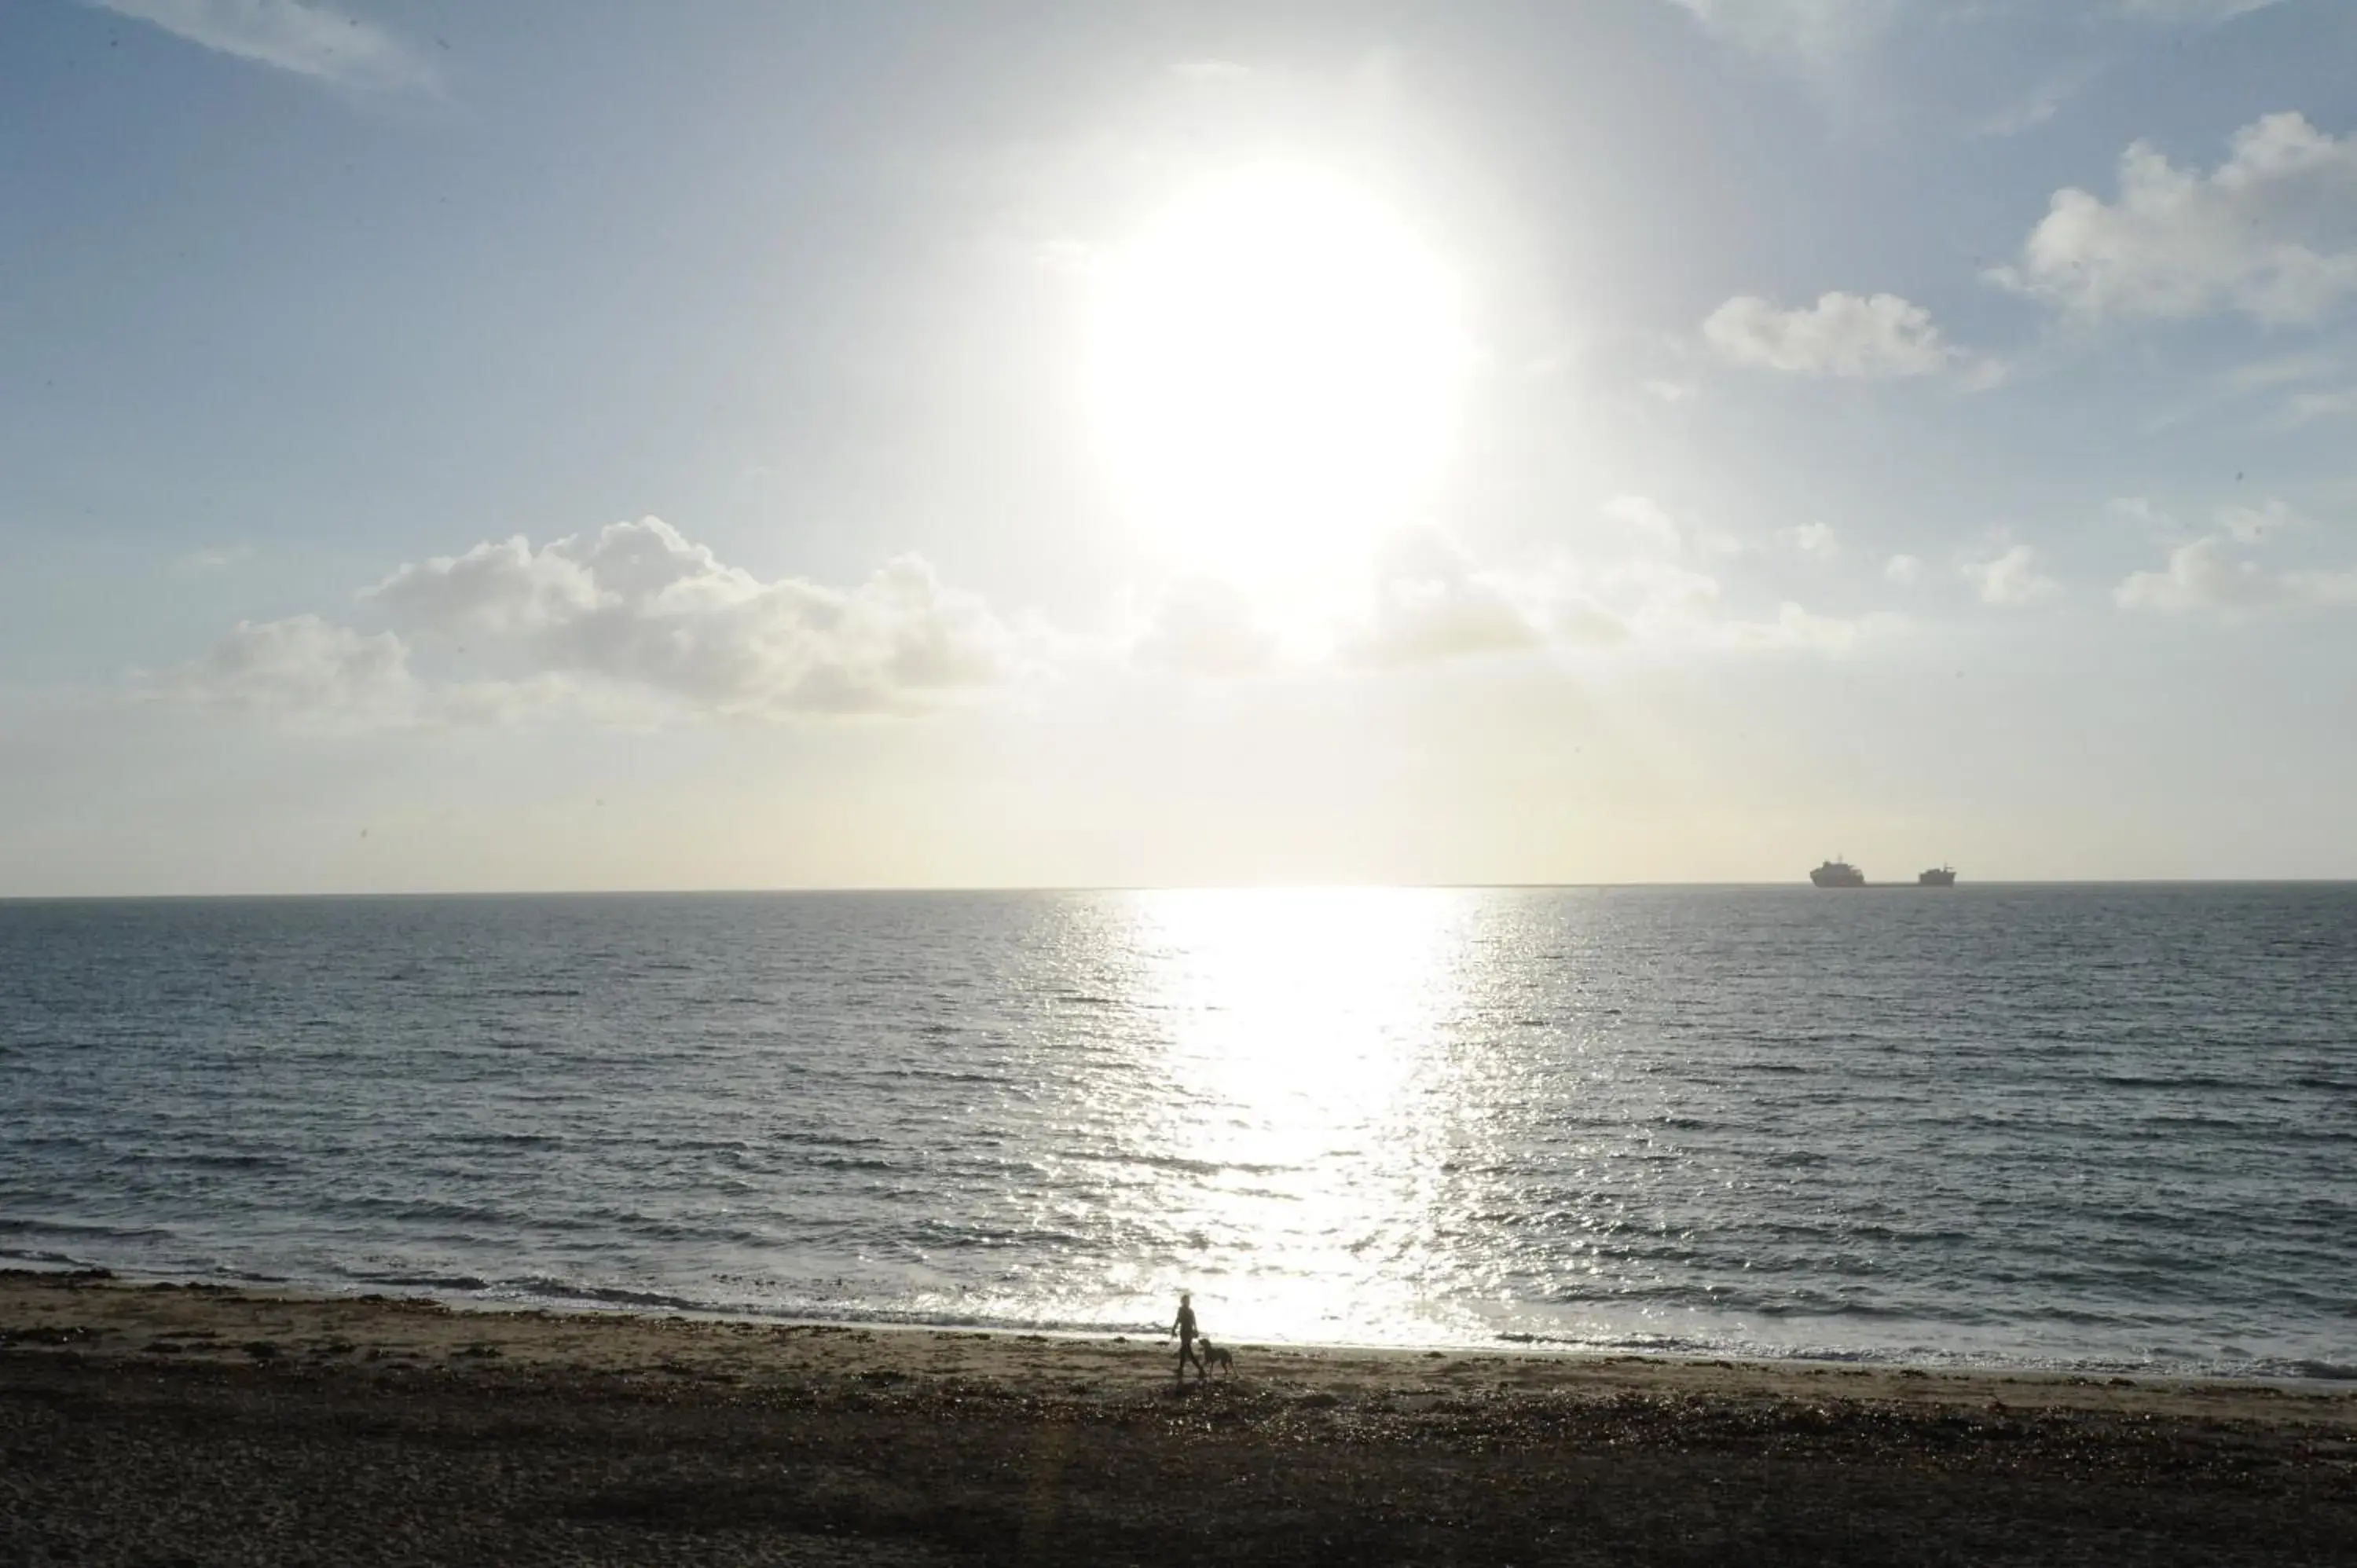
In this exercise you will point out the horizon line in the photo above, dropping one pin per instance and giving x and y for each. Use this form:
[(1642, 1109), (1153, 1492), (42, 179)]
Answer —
[(882, 889)]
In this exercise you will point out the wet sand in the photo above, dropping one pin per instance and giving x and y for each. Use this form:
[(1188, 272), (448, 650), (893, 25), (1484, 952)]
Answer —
[(160, 1425)]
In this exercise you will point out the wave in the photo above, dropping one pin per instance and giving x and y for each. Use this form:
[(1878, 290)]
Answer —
[(409, 1280), (86, 1229), (544, 1288), (202, 1160), (45, 1260), (1174, 1163)]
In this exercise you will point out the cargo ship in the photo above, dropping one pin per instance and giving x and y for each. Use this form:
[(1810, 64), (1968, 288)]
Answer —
[(1837, 874), (1938, 876)]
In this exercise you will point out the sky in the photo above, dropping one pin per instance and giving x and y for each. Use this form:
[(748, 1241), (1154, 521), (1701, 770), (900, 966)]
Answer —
[(563, 446)]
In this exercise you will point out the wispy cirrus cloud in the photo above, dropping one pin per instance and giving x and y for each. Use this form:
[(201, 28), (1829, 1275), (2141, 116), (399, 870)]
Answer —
[(2193, 12), (289, 34), (1811, 33)]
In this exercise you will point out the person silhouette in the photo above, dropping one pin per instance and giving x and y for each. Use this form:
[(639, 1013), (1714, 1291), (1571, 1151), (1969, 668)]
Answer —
[(1185, 1328)]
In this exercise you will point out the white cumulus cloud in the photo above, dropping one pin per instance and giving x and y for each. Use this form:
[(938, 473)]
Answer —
[(291, 34), (2204, 575), (638, 603), (1817, 539), (632, 613), (2011, 577), (1857, 336), (2271, 233)]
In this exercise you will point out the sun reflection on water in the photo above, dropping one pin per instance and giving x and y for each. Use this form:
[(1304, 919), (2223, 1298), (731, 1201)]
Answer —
[(1304, 1041)]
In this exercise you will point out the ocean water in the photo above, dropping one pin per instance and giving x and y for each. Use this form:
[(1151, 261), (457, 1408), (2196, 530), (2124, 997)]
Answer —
[(2096, 1127)]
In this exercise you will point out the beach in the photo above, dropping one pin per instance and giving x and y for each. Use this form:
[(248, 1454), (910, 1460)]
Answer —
[(152, 1423)]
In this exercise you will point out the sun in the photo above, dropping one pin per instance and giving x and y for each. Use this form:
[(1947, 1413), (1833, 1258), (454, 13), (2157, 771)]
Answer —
[(1277, 360)]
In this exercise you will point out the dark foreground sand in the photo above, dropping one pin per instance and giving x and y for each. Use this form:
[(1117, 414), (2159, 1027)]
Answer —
[(159, 1425)]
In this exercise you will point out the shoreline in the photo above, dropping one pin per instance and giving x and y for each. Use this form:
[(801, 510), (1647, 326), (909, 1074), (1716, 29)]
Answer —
[(155, 1421), (102, 1315), (1534, 1346)]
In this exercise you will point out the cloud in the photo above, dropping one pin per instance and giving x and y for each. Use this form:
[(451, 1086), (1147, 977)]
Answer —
[(212, 558), (1647, 518), (1210, 71), (1848, 335), (2011, 577), (638, 603), (1656, 592), (2035, 108), (1205, 627), (1798, 630), (1816, 539), (2242, 523), (633, 612), (2203, 576), (2271, 233), (2197, 13), (2303, 408), (1813, 33), (307, 670), (291, 34), (1637, 588), (2250, 524), (1431, 602), (504, 588), (636, 624), (2295, 384), (1904, 569), (2282, 370), (1821, 36)]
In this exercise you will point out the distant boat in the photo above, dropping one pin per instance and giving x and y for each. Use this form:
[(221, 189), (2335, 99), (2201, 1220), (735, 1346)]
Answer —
[(1938, 876), (1837, 874)]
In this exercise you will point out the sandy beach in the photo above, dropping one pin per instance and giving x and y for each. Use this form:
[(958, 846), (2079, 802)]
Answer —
[(169, 1424)]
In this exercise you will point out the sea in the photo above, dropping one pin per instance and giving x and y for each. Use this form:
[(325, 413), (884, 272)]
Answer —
[(2094, 1127)]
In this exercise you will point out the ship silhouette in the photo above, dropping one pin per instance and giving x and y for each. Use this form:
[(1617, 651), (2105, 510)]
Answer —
[(1839, 873)]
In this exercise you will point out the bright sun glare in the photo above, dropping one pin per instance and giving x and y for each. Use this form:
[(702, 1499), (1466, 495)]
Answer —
[(1277, 357)]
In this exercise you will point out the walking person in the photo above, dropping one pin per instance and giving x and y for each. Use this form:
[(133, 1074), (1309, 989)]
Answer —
[(1185, 1328)]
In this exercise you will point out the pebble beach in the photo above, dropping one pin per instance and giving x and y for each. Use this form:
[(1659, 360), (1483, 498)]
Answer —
[(155, 1424)]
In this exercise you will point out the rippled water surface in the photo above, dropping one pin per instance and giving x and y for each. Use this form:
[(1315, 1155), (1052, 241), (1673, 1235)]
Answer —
[(2095, 1126)]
